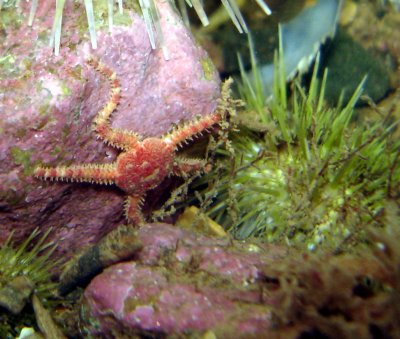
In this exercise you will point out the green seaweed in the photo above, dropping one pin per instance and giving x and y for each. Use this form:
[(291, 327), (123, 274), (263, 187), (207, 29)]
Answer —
[(31, 259), (310, 177)]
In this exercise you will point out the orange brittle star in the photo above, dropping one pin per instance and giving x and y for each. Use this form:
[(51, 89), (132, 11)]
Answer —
[(143, 163)]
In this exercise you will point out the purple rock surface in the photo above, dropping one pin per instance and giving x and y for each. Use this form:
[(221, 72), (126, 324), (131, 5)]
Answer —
[(181, 282), (47, 104), (184, 285)]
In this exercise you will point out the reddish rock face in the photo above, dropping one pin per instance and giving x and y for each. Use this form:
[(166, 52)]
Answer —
[(47, 105), (181, 282)]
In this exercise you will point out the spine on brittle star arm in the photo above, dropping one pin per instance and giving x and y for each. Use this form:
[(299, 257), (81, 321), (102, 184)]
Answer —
[(101, 174)]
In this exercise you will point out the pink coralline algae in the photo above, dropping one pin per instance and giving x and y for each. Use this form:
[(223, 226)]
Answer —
[(48, 104), (180, 284)]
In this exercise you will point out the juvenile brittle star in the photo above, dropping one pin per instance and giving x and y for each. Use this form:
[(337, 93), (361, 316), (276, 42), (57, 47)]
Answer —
[(143, 163)]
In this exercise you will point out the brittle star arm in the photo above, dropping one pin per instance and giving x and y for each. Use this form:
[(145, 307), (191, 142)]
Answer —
[(93, 173), (188, 130), (116, 137)]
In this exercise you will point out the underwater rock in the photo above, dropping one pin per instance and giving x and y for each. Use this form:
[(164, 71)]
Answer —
[(15, 294), (181, 283), (348, 62), (48, 102), (118, 245), (302, 37)]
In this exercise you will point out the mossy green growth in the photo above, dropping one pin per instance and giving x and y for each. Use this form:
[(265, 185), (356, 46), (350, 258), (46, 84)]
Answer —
[(208, 68), (311, 177), (102, 15), (8, 67), (30, 259), (22, 157)]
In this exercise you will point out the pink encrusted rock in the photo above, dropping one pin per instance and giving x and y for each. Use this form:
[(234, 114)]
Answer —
[(182, 285), (181, 282), (47, 105)]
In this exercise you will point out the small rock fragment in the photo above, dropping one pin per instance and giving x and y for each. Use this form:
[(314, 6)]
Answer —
[(15, 294), (117, 245)]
